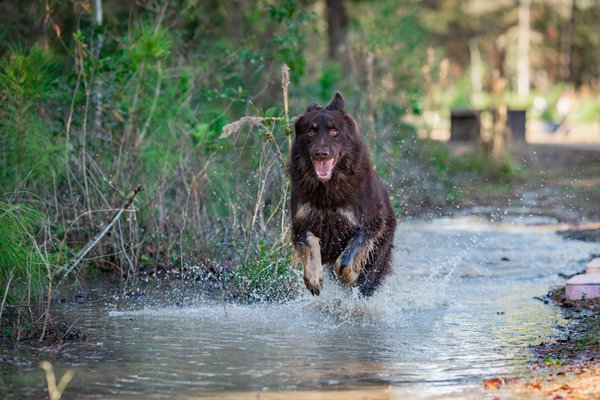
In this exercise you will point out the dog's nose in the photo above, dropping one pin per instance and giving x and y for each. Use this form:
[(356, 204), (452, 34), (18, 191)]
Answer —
[(321, 153)]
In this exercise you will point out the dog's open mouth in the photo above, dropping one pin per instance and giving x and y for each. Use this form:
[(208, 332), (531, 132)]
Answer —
[(324, 168)]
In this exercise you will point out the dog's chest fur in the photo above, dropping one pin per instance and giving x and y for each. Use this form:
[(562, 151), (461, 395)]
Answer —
[(333, 226)]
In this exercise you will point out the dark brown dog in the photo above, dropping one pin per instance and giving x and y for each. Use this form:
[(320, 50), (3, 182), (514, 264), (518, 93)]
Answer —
[(341, 212)]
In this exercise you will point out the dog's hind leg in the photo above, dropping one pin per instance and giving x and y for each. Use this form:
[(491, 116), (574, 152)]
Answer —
[(310, 251), (353, 258)]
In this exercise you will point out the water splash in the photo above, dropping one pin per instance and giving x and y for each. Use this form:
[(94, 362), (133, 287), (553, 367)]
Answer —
[(419, 281), (423, 267)]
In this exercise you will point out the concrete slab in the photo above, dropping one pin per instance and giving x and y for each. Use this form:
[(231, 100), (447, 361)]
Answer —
[(593, 267), (583, 286)]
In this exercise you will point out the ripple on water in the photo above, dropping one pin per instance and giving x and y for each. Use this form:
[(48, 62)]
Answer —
[(459, 306)]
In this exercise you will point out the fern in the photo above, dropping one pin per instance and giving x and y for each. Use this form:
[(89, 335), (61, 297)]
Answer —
[(21, 264)]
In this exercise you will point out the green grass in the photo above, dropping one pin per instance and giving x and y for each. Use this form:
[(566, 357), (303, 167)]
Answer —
[(588, 111), (22, 266), (269, 277), (590, 337), (551, 361)]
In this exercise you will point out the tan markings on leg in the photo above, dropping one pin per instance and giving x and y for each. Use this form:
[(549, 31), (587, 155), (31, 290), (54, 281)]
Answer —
[(350, 273), (313, 269)]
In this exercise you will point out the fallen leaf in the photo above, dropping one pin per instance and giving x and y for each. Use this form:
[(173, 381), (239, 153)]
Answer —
[(537, 384), (492, 384), (566, 387)]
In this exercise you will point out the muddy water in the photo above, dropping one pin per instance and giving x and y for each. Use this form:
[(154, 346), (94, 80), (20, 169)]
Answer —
[(459, 308)]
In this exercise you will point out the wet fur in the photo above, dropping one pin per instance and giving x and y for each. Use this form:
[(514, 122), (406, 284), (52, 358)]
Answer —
[(348, 219)]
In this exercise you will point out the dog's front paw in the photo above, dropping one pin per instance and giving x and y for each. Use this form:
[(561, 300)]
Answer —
[(314, 281), (313, 269), (345, 272)]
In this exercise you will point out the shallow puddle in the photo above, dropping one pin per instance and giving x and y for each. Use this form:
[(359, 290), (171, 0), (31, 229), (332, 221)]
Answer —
[(460, 307)]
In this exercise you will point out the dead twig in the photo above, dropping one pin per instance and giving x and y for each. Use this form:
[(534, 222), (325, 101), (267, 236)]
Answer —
[(56, 390), (285, 83), (234, 127), (9, 280), (88, 247)]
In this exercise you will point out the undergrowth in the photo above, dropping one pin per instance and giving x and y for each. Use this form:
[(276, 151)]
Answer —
[(582, 341), (193, 110), (24, 267)]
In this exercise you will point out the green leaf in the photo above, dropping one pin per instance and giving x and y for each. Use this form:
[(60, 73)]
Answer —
[(270, 112), (200, 134)]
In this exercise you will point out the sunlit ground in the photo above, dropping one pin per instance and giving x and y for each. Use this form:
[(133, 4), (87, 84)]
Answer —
[(587, 134), (537, 132)]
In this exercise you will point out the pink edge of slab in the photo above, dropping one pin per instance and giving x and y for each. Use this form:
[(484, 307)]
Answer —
[(593, 267), (583, 286)]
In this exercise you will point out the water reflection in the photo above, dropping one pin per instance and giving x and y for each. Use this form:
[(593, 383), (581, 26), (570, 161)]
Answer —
[(460, 307)]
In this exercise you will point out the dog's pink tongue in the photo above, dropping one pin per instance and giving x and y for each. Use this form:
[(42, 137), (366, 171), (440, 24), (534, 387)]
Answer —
[(323, 168)]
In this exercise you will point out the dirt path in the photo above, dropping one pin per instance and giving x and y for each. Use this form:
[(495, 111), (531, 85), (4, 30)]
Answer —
[(567, 367), (551, 180), (561, 181)]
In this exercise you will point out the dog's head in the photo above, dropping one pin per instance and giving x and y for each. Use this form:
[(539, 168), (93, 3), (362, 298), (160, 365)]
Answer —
[(325, 136)]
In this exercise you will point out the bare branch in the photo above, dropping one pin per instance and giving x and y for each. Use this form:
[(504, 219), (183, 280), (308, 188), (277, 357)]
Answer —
[(88, 247)]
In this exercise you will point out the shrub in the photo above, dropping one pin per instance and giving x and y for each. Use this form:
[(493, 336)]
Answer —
[(23, 273)]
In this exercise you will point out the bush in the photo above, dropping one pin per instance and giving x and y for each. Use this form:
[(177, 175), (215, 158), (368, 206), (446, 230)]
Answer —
[(29, 154), (23, 268)]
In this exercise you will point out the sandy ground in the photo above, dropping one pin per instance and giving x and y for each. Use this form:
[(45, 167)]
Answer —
[(565, 175)]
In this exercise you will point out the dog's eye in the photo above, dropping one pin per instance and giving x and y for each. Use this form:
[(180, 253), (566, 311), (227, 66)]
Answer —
[(333, 132), (311, 133)]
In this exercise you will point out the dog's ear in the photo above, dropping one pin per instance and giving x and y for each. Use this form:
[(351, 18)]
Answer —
[(314, 107), (337, 104), (298, 124)]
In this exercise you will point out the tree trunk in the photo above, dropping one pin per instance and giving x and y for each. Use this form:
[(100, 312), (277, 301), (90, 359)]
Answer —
[(477, 70), (523, 81), (567, 40), (337, 27), (97, 84), (498, 145)]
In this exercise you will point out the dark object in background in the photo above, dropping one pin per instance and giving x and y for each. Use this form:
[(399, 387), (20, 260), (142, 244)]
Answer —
[(585, 235), (517, 123), (465, 125)]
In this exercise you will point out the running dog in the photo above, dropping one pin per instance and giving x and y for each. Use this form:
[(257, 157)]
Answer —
[(341, 212)]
